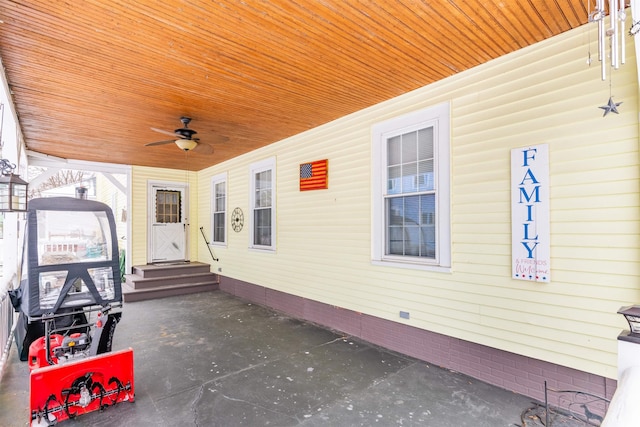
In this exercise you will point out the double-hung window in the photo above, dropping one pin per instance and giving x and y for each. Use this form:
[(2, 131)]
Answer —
[(411, 217), (262, 203), (219, 209)]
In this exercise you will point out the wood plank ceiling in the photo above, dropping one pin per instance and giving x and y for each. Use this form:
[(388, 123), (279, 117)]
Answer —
[(91, 78)]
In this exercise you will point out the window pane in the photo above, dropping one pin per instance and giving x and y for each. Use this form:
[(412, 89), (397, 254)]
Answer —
[(412, 211), (393, 183), (409, 147), (396, 242), (218, 227), (51, 284), (409, 177), (396, 211), (220, 189), (393, 151), (262, 227), (412, 240), (428, 226), (411, 226), (261, 199), (425, 176), (410, 162), (103, 281), (428, 242), (425, 144), (263, 189), (395, 227), (265, 198), (428, 209), (263, 180), (167, 206), (220, 197), (72, 237)]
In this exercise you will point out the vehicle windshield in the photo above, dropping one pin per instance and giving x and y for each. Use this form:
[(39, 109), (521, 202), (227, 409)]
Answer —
[(66, 237)]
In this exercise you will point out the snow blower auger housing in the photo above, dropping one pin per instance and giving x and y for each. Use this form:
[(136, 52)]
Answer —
[(69, 303)]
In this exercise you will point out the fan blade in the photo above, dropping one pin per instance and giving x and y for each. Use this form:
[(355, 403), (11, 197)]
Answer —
[(168, 141), (166, 132), (203, 148)]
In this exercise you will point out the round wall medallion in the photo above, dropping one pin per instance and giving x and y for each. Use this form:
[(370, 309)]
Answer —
[(237, 220)]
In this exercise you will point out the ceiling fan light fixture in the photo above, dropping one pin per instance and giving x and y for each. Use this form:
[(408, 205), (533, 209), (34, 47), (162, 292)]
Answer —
[(186, 144)]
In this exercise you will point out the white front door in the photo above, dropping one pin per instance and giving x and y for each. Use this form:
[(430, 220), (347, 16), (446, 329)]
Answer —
[(168, 223)]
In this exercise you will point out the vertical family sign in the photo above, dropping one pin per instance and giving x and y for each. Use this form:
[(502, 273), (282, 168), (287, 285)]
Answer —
[(530, 214)]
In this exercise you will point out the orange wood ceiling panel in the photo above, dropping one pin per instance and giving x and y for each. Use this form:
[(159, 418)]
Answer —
[(90, 79)]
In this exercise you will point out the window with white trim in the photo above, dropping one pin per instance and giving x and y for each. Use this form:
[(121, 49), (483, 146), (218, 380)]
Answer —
[(262, 204), (411, 200), (219, 209)]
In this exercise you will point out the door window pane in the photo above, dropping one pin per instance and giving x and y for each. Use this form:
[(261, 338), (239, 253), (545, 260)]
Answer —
[(168, 206)]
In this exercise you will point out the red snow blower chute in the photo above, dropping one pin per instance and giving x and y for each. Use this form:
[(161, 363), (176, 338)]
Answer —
[(69, 303)]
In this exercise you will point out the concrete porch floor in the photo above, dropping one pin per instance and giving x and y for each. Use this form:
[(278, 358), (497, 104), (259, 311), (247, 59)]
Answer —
[(210, 359)]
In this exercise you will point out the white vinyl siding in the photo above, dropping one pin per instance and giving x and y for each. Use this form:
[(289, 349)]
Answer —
[(219, 209), (262, 202)]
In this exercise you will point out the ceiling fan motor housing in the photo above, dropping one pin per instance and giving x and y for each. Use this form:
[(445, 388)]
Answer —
[(185, 132)]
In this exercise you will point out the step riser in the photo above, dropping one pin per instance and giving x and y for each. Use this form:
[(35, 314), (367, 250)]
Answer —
[(137, 282), (166, 292), (170, 271)]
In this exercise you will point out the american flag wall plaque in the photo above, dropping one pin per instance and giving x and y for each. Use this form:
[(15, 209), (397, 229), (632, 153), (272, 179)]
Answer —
[(314, 175)]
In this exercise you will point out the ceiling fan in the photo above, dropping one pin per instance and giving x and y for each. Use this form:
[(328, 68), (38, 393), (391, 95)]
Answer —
[(184, 138)]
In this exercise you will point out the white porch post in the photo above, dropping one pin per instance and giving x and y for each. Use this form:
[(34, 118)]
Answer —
[(624, 410), (12, 150)]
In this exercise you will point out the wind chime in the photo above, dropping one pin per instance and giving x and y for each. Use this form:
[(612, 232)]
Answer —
[(615, 35)]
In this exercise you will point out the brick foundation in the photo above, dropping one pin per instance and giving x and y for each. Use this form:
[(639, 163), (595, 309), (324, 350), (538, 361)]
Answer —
[(510, 371)]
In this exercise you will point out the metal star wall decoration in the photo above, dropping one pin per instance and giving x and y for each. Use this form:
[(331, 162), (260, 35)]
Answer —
[(611, 107)]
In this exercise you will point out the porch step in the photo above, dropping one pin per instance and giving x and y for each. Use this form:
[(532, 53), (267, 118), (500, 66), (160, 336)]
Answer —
[(168, 279), (170, 269)]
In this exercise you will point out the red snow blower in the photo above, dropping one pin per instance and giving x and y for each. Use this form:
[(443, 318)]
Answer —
[(69, 303)]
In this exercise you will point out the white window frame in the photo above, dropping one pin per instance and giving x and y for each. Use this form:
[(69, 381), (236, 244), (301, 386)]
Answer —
[(215, 180), (254, 169), (439, 117)]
